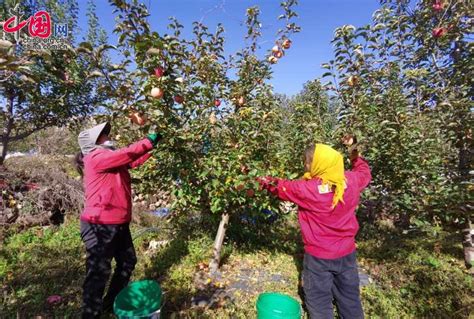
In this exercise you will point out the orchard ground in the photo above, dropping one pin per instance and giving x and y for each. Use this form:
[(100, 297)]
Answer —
[(414, 274)]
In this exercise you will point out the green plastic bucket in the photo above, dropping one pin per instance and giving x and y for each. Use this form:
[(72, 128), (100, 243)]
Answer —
[(140, 299), (275, 306)]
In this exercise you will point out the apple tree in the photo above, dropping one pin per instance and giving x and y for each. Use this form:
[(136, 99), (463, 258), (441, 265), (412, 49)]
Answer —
[(217, 113), (404, 84)]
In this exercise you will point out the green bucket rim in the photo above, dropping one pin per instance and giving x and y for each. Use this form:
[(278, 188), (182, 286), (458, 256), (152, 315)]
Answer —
[(148, 309), (261, 305)]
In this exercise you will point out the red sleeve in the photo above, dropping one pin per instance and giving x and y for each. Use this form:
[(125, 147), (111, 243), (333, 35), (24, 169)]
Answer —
[(105, 160), (361, 170), (139, 161), (292, 191)]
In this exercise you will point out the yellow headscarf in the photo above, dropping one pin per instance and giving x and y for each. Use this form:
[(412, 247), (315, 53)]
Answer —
[(328, 164)]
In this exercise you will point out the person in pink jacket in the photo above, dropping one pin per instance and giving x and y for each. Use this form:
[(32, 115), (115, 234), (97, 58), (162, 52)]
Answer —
[(327, 198), (107, 213)]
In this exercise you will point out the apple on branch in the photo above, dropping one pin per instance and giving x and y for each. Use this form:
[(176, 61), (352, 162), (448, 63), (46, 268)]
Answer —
[(159, 72), (179, 99), (157, 93), (286, 44)]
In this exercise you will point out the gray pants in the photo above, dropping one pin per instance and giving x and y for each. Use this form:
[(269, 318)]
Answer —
[(104, 242), (328, 279)]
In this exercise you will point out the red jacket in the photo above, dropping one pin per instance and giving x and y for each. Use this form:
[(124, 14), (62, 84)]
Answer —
[(328, 233), (107, 182)]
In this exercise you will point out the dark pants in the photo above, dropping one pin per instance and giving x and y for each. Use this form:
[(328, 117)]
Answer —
[(104, 242), (328, 279)]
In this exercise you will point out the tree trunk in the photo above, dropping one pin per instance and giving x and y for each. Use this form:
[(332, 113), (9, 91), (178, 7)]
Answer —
[(8, 125), (214, 264), (3, 150)]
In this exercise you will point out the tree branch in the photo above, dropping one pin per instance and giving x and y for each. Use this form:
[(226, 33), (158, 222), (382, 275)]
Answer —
[(28, 133)]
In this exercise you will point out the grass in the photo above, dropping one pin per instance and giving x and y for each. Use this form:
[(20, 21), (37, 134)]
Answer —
[(418, 275), (415, 275)]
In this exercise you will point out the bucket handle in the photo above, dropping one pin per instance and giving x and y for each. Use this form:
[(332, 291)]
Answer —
[(163, 298)]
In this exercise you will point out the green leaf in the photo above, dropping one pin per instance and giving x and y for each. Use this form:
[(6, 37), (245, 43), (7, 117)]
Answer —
[(86, 45), (326, 66), (104, 47)]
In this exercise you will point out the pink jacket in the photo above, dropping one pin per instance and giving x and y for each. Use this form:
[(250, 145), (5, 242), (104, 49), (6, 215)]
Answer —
[(328, 233), (107, 182)]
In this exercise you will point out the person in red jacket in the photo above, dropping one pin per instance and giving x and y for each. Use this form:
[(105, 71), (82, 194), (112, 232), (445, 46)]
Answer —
[(327, 198), (107, 213)]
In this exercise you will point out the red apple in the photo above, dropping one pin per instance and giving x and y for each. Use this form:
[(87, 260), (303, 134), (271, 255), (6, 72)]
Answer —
[(138, 118), (286, 44), (241, 101), (275, 49), (157, 93), (250, 193), (159, 72), (240, 187), (439, 32), (179, 99), (272, 59), (438, 7), (217, 103), (278, 54)]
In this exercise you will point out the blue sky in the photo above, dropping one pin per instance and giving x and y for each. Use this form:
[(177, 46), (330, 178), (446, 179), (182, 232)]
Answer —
[(311, 47)]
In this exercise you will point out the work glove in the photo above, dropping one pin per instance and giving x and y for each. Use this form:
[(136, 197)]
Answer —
[(154, 138)]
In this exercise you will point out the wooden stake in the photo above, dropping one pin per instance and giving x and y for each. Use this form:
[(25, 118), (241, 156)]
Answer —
[(214, 264)]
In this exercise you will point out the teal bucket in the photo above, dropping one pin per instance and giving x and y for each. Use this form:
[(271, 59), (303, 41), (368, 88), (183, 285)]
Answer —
[(140, 299), (277, 306)]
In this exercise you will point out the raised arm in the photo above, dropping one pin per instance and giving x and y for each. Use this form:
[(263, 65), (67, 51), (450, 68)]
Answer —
[(362, 172), (292, 191), (106, 160), (139, 161), (360, 167)]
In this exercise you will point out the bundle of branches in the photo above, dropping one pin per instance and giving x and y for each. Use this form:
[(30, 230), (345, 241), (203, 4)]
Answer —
[(38, 197)]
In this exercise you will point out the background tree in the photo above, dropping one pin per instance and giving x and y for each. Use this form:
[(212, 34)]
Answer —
[(309, 119), (43, 89), (404, 83), (96, 35)]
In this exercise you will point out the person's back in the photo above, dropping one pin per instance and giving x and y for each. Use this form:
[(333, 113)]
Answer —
[(328, 232), (105, 228), (327, 199), (107, 182)]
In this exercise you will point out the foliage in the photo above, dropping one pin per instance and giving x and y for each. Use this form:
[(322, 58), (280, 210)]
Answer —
[(406, 93)]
